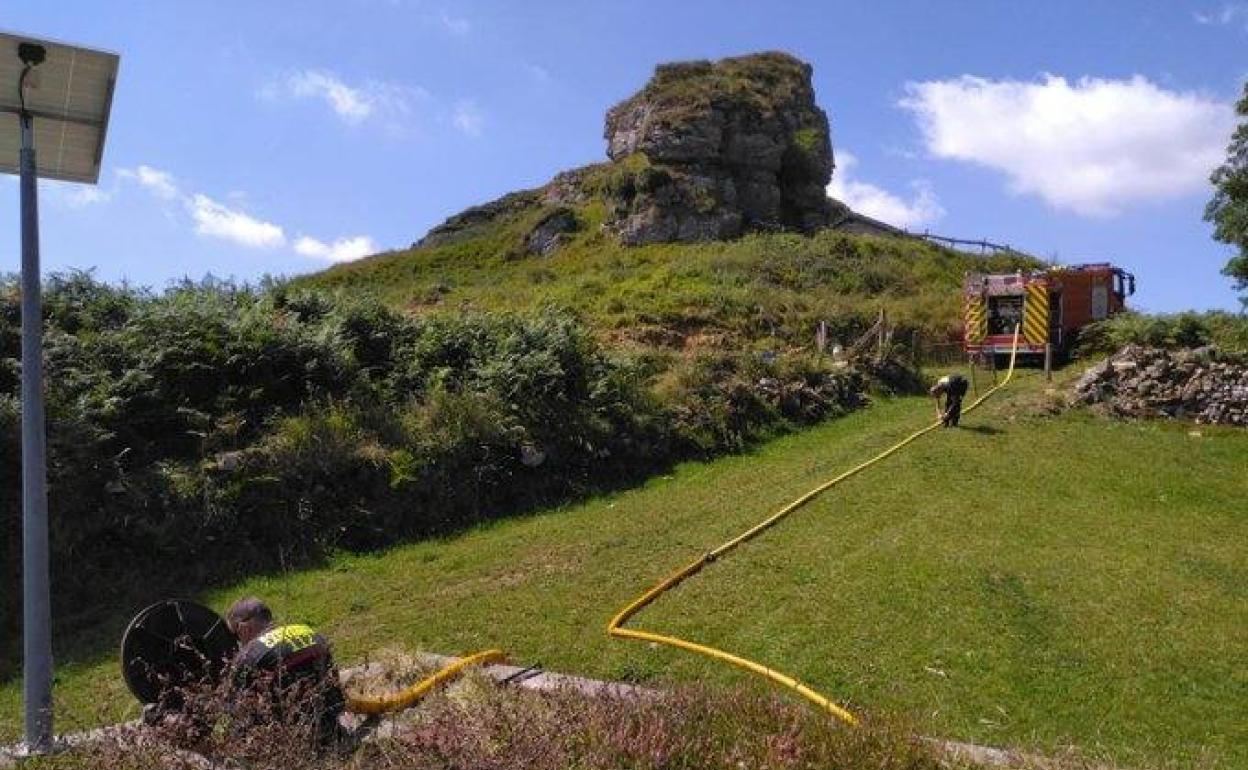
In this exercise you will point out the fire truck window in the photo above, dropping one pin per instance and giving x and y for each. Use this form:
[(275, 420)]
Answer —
[(1004, 313), (1100, 301)]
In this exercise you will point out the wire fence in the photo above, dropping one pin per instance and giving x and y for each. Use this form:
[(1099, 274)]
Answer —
[(908, 345), (936, 353), (984, 246), (911, 345)]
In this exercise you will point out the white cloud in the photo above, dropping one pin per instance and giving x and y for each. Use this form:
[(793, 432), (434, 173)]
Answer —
[(350, 104), (228, 221), (341, 250), (353, 104), (1091, 147), (454, 24), (1230, 14), (538, 74), (87, 195), (159, 182), (466, 116), (217, 220), (75, 195), (878, 203)]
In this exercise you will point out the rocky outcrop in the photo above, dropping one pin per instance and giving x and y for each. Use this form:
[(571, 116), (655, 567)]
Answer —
[(721, 148), (470, 219), (550, 231), (705, 151), (1199, 384)]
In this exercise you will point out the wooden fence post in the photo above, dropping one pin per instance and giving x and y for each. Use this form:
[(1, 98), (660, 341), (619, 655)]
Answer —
[(879, 346)]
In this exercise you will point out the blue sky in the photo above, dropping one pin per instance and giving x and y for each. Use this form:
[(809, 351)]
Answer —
[(276, 137)]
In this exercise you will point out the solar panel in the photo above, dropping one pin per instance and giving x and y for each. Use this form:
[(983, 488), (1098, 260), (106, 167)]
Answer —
[(69, 95)]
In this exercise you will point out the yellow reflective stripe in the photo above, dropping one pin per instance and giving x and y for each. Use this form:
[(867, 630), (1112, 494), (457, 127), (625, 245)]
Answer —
[(1036, 314), (299, 637), (976, 319)]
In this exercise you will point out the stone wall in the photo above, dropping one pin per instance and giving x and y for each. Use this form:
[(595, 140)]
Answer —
[(1200, 384)]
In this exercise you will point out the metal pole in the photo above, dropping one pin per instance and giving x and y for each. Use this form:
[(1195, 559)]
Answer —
[(36, 604), (1048, 362)]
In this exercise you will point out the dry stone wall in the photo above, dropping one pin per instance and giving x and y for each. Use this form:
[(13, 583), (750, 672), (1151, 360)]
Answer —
[(1200, 384)]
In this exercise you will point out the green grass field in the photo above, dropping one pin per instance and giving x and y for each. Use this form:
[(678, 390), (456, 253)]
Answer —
[(766, 288), (1027, 580)]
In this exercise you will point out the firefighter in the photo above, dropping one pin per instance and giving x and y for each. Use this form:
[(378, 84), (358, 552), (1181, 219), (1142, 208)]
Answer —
[(290, 665), (953, 388)]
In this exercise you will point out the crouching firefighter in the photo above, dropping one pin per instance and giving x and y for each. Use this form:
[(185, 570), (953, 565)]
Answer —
[(289, 667), (953, 388)]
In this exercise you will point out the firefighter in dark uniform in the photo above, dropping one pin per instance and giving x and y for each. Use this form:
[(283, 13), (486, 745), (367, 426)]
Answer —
[(953, 388), (291, 665)]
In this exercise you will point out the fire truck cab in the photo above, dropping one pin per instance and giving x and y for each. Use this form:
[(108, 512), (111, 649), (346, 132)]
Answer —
[(1050, 306)]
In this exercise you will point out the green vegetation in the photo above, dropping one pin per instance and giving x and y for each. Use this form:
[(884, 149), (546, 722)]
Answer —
[(763, 291), (272, 440), (215, 431), (477, 725), (808, 139), (1224, 330), (1019, 581), (692, 87), (623, 179), (1228, 210)]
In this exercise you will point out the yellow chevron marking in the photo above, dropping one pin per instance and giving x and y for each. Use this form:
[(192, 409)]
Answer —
[(976, 320), (1036, 315)]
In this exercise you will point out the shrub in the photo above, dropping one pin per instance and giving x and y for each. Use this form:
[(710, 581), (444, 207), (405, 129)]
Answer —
[(727, 401), (478, 724), (1188, 329), (217, 429)]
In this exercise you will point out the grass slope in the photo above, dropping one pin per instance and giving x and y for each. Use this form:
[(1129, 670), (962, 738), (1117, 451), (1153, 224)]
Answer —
[(763, 289), (1026, 580)]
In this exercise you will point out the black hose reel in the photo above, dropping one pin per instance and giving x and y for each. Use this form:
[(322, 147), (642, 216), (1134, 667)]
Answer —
[(174, 644)]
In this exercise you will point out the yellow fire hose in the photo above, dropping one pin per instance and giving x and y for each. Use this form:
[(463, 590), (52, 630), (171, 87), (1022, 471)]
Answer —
[(404, 698), (616, 626), (384, 704)]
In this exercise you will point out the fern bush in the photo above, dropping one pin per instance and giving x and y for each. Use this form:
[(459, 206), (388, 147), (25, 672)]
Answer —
[(1189, 329), (214, 430)]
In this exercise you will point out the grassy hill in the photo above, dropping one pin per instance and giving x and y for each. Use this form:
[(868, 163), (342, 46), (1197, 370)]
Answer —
[(761, 291), (1031, 579)]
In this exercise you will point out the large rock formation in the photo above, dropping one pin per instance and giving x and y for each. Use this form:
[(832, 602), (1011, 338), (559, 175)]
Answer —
[(722, 147), (1202, 385), (705, 151)]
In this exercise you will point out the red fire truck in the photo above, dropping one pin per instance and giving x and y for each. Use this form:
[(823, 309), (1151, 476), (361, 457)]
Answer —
[(1050, 306)]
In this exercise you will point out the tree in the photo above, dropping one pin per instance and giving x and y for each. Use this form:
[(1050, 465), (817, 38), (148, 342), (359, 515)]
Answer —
[(1228, 210)]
